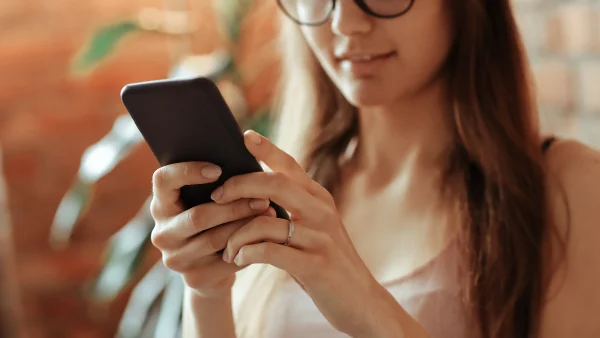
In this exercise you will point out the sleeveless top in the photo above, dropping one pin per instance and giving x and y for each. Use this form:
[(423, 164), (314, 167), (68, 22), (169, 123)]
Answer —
[(431, 294)]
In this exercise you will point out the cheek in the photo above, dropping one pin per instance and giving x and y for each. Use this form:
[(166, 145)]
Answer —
[(425, 45), (428, 50), (320, 41)]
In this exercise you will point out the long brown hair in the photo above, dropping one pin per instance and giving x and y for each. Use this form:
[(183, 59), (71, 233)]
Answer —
[(495, 171)]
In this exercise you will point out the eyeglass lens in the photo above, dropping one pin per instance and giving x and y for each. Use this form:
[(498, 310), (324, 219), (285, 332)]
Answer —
[(318, 11)]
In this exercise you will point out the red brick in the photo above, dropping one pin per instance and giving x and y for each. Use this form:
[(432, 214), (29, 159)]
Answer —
[(570, 29), (257, 54), (589, 74), (41, 272), (12, 9), (525, 3), (47, 120), (554, 81), (530, 24), (556, 121), (597, 20), (587, 130)]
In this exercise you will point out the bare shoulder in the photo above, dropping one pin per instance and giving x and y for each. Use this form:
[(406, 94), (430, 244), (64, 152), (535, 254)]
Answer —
[(573, 181), (567, 157)]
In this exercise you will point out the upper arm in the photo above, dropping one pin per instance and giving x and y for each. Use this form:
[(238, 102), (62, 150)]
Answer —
[(572, 303)]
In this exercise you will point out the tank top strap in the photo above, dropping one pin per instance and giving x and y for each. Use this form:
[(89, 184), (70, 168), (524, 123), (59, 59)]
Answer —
[(548, 143)]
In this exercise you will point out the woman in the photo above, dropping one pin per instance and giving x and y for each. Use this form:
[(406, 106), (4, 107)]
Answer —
[(429, 209)]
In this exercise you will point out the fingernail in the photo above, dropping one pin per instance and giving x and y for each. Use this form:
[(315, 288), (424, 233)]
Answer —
[(211, 171), (253, 137), (237, 260), (258, 204), (226, 255), (217, 193)]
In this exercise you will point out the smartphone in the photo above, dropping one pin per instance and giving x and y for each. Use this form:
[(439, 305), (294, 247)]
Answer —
[(185, 120)]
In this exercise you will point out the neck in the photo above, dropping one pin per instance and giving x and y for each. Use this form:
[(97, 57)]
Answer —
[(413, 133)]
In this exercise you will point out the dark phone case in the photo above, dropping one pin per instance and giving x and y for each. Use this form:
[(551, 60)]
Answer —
[(185, 120)]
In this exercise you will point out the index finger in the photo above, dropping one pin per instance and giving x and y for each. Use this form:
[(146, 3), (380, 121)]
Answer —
[(278, 160), (167, 180)]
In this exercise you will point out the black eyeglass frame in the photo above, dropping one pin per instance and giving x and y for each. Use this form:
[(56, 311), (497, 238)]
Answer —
[(360, 3)]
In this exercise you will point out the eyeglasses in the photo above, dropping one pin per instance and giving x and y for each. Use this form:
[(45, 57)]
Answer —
[(317, 12)]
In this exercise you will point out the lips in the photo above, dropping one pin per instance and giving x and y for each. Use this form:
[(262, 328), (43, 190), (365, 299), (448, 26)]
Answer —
[(364, 57), (365, 65)]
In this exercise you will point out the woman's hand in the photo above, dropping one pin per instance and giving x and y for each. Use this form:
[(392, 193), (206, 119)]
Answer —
[(176, 233), (320, 254)]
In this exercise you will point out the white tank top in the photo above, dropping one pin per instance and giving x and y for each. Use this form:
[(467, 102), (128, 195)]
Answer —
[(431, 294)]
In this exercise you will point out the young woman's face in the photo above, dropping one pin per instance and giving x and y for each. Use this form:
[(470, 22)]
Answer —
[(376, 61)]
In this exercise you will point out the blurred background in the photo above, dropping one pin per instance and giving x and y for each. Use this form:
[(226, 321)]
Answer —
[(75, 174)]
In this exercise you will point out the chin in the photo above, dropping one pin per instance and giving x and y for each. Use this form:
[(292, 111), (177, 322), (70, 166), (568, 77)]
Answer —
[(362, 94)]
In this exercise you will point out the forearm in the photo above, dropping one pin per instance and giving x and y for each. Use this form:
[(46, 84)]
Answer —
[(207, 317), (400, 324), (389, 320)]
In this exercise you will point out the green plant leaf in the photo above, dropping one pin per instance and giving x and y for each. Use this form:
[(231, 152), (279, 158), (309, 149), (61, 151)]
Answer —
[(231, 14), (144, 304), (213, 65), (97, 160), (125, 252), (169, 317), (260, 122), (101, 44), (73, 205)]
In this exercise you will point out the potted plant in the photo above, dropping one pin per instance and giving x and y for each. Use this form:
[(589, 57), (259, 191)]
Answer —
[(154, 308), (10, 306)]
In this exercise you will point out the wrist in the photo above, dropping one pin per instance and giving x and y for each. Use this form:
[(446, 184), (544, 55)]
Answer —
[(213, 297), (385, 323), (388, 319), (220, 291), (387, 327), (207, 316)]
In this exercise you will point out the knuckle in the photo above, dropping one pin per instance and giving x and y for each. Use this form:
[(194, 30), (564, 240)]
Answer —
[(197, 280), (213, 242), (196, 218), (172, 262), (257, 224), (279, 180), (327, 215), (157, 238), (159, 178), (208, 242), (332, 216), (328, 197), (155, 209), (231, 183), (238, 209), (289, 162)]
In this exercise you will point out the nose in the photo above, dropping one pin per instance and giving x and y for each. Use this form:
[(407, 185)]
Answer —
[(348, 19)]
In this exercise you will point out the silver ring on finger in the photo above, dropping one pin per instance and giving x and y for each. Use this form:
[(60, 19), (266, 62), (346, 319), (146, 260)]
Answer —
[(290, 232)]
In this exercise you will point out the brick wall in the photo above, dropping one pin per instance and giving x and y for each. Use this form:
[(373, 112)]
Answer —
[(563, 42), (48, 119), (46, 122)]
